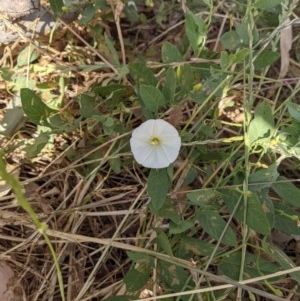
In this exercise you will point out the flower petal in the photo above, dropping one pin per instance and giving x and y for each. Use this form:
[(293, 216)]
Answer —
[(171, 151), (145, 130), (159, 155), (163, 128), (140, 149), (156, 159)]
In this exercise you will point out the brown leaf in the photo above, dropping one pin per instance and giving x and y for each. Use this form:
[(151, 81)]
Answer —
[(9, 288), (286, 39), (176, 116)]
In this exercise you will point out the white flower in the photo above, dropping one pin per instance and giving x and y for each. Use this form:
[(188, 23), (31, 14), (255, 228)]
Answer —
[(155, 143)]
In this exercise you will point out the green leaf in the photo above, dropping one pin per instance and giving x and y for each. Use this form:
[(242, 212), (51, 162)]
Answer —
[(170, 54), (168, 211), (240, 55), (239, 37), (152, 98), (191, 176), (254, 266), (297, 54), (224, 60), (180, 227), (265, 59), (267, 205), (170, 85), (27, 56), (88, 105), (209, 3), (194, 246), (116, 165), (141, 74), (185, 77), (87, 15), (214, 224), (203, 197), (24, 82), (256, 216), (60, 125), (287, 191), (108, 125), (256, 213), (36, 110), (287, 220), (131, 13), (267, 4), (195, 31), (158, 187), (142, 258), (173, 276), (101, 4), (32, 150), (263, 178), (57, 6), (262, 126), (136, 280), (230, 40), (279, 256), (116, 92), (243, 33), (294, 110), (163, 241), (113, 54)]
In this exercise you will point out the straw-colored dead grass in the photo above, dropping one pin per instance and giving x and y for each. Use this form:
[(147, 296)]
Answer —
[(94, 215)]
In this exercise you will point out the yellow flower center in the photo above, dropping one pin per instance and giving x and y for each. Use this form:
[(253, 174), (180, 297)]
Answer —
[(155, 141)]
